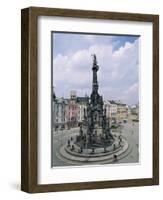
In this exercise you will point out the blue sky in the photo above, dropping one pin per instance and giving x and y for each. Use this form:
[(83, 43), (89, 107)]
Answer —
[(117, 56)]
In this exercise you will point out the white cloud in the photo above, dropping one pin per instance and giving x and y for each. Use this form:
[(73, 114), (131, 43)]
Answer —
[(118, 71)]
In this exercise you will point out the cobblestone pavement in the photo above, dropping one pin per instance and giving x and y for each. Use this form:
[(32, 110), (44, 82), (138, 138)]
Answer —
[(129, 130)]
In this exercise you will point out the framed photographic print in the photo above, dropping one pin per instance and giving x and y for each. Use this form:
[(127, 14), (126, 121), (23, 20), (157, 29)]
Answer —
[(90, 99)]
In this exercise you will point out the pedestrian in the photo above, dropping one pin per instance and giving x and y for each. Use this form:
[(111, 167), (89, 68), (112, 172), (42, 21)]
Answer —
[(115, 157)]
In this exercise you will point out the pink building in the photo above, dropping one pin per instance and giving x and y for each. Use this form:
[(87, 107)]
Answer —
[(73, 110)]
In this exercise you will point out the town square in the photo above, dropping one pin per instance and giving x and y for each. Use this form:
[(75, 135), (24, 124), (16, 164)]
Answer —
[(89, 130)]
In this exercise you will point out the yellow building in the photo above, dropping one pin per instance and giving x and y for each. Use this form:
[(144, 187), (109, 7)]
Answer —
[(116, 110), (122, 111)]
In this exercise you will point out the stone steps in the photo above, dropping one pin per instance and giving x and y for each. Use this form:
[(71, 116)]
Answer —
[(107, 158)]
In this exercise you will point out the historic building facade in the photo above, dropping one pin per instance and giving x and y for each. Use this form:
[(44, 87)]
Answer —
[(111, 109), (116, 110), (60, 113), (134, 111), (82, 105), (122, 111), (68, 113), (73, 110)]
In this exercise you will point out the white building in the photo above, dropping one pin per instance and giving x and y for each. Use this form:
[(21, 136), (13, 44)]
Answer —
[(60, 110), (111, 109), (81, 112), (116, 110), (82, 104)]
